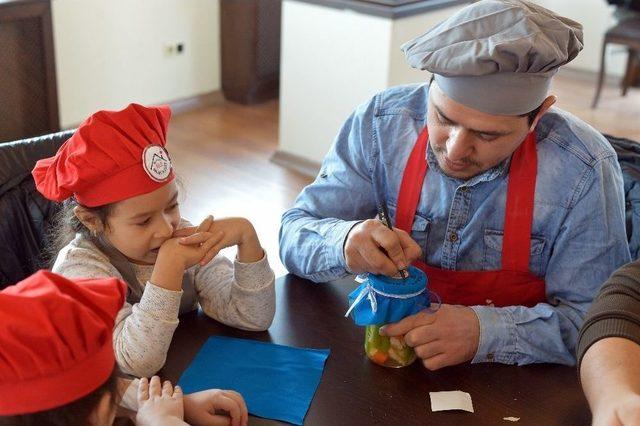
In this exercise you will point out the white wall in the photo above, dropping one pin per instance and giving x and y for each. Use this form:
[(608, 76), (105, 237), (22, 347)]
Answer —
[(332, 60), (596, 17), (111, 52)]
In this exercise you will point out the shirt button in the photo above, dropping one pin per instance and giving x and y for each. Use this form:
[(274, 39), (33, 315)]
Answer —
[(490, 356), (453, 237), (464, 188)]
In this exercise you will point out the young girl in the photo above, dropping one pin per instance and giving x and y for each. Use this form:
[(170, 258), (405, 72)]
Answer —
[(57, 361), (121, 219)]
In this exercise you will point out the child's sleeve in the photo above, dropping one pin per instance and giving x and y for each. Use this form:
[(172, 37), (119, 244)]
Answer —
[(143, 331), (240, 295)]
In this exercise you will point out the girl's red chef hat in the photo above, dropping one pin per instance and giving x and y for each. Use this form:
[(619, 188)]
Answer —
[(112, 156)]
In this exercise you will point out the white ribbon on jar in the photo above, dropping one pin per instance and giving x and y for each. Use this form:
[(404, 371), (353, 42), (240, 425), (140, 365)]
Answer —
[(370, 293)]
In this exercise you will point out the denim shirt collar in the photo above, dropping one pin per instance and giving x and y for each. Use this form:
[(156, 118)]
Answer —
[(487, 176)]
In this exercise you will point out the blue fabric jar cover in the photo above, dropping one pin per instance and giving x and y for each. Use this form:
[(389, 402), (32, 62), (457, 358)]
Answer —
[(381, 300)]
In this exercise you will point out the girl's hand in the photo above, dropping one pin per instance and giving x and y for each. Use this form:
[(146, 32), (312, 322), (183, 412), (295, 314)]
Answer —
[(235, 231), (215, 407), (202, 245), (174, 258), (159, 405)]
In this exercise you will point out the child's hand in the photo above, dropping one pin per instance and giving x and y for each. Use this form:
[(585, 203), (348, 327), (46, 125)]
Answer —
[(203, 244), (236, 231), (203, 408), (175, 257), (159, 405)]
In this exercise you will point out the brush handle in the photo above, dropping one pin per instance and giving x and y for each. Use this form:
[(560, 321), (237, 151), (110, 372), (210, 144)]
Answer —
[(383, 212)]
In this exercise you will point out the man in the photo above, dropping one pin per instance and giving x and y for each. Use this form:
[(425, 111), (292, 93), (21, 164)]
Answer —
[(609, 350), (513, 209)]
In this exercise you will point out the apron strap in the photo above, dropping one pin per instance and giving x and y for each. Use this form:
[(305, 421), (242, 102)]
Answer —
[(521, 191), (412, 180), (516, 242), (134, 288), (117, 259)]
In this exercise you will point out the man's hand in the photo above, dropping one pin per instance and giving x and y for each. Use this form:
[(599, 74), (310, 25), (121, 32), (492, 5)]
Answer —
[(200, 408), (367, 242), (446, 337)]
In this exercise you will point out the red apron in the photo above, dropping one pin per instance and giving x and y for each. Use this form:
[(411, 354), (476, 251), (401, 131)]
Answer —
[(513, 284)]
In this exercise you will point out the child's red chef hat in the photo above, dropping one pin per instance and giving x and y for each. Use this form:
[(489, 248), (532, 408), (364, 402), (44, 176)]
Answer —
[(114, 155), (55, 340)]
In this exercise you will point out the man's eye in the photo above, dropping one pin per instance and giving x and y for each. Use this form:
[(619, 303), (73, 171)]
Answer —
[(487, 138), (443, 120), (145, 222)]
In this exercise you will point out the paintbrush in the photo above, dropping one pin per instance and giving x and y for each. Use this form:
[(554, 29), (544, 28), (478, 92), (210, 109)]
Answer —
[(383, 213)]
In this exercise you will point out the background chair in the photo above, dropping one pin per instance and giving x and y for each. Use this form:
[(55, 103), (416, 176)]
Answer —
[(26, 215), (626, 33)]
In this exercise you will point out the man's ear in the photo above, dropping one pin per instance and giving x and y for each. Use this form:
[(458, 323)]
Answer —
[(89, 219), (548, 103)]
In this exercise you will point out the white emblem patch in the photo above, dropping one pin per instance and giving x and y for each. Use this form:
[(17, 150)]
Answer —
[(156, 162)]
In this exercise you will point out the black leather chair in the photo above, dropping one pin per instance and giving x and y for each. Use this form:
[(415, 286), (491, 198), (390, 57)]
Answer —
[(629, 158), (25, 214)]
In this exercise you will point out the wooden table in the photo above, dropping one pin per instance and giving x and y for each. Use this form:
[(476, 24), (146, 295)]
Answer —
[(354, 391)]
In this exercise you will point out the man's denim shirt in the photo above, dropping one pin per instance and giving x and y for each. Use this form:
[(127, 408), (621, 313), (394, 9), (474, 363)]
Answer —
[(578, 232)]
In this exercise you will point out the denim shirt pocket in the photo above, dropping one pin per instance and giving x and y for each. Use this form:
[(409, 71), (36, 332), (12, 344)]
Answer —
[(493, 251), (419, 228)]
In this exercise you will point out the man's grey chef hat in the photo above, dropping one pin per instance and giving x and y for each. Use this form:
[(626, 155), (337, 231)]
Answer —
[(497, 56)]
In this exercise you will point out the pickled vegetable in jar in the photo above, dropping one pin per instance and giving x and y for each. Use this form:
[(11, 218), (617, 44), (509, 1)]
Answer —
[(387, 351)]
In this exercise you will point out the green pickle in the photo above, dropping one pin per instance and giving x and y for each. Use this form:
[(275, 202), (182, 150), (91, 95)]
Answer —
[(387, 351)]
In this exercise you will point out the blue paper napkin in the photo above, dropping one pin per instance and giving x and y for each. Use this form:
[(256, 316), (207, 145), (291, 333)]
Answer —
[(277, 382)]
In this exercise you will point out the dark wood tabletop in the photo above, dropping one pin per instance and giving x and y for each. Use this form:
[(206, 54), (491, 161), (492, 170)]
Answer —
[(354, 391)]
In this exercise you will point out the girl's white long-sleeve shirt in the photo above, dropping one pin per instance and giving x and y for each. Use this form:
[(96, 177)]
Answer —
[(237, 294)]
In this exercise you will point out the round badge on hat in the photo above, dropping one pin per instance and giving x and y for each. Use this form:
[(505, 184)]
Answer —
[(156, 162)]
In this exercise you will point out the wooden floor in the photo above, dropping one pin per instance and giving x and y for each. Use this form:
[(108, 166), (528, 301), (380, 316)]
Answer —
[(221, 154), (616, 115)]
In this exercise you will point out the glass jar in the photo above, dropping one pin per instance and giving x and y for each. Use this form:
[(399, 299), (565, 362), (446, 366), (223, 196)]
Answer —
[(381, 300), (387, 351)]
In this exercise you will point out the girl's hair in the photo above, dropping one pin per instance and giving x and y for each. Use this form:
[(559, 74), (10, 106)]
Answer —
[(66, 225), (72, 414)]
